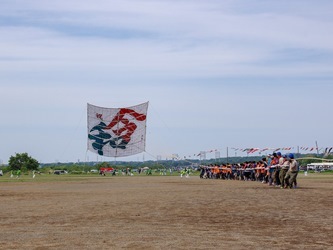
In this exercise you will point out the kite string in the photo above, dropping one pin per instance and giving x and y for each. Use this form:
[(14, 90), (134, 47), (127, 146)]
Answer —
[(159, 117), (153, 156), (314, 158), (69, 142)]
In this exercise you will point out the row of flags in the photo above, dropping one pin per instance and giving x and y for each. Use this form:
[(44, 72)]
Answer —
[(326, 151), (202, 154), (253, 150)]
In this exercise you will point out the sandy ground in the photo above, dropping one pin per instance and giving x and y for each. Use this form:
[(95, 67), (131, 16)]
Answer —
[(165, 212)]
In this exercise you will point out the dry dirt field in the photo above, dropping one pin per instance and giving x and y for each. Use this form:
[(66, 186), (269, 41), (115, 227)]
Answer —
[(164, 212)]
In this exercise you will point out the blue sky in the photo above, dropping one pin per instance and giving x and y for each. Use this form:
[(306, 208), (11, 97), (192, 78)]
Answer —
[(217, 74)]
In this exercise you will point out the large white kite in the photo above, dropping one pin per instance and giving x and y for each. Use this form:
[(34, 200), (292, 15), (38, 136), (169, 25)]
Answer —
[(117, 132)]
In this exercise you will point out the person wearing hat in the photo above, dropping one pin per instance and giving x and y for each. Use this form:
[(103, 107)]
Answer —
[(291, 175), (284, 169)]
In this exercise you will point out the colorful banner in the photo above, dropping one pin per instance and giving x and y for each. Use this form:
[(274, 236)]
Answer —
[(117, 132)]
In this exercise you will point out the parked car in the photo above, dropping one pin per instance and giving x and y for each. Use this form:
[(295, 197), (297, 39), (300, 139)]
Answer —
[(59, 172)]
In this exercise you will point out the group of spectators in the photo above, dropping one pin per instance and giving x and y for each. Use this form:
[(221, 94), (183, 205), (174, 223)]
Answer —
[(275, 170)]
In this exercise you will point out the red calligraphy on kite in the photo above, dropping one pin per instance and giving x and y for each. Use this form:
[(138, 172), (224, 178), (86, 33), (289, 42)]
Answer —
[(125, 128)]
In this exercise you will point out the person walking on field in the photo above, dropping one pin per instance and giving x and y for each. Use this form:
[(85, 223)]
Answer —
[(291, 175), (18, 173)]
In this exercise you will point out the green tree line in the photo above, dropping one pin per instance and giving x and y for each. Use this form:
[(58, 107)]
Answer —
[(24, 163)]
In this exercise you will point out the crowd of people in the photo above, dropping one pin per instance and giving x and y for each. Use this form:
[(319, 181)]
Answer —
[(275, 170)]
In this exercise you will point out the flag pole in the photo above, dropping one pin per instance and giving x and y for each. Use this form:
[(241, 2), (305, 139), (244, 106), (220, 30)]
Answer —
[(317, 148)]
